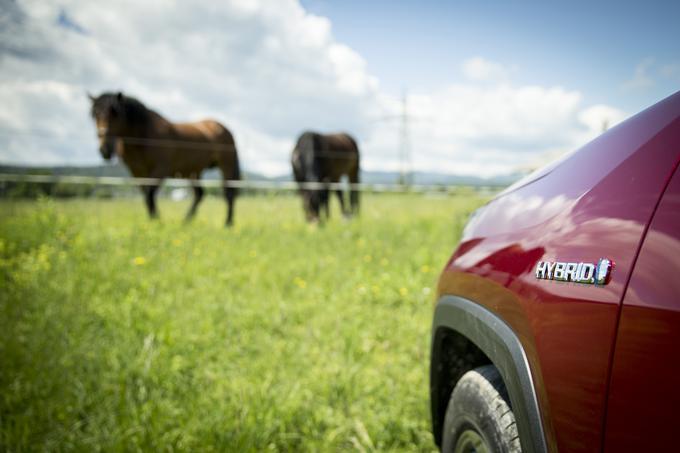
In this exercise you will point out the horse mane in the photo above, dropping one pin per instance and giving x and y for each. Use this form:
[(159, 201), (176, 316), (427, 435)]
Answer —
[(135, 113)]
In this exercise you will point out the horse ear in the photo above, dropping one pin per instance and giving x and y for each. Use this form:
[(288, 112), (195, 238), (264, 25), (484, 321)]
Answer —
[(92, 98), (119, 96)]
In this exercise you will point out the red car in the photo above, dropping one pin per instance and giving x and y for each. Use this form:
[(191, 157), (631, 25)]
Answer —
[(557, 322)]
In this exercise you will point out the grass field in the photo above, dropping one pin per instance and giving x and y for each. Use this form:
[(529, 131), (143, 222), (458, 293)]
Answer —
[(119, 334)]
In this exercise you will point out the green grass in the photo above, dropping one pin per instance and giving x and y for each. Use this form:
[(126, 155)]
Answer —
[(120, 334)]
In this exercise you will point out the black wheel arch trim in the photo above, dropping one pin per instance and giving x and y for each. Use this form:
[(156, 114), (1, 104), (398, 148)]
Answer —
[(502, 346)]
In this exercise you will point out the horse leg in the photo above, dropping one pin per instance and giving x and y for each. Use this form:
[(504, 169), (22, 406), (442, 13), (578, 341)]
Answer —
[(326, 203), (354, 192), (341, 199), (230, 196), (150, 198), (231, 172), (198, 195)]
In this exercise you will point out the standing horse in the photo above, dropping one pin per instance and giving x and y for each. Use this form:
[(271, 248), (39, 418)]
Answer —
[(153, 147), (319, 158)]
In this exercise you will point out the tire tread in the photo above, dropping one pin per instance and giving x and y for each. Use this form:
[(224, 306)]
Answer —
[(480, 400)]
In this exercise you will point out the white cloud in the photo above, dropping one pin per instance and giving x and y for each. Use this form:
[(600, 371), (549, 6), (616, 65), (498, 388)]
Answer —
[(671, 71), (268, 70), (642, 78), (651, 74), (599, 118), (487, 130), (481, 69)]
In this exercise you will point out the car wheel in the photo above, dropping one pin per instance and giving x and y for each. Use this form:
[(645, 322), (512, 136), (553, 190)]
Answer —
[(479, 418)]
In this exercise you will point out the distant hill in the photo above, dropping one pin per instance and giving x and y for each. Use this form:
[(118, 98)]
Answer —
[(370, 177), (378, 177), (115, 169), (94, 170)]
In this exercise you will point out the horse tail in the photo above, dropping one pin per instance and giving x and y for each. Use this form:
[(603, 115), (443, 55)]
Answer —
[(231, 171), (236, 170)]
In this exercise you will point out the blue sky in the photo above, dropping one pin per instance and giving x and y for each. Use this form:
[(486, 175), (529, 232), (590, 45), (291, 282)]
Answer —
[(594, 47)]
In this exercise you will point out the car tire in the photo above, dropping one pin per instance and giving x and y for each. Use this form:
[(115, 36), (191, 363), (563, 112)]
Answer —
[(479, 417)]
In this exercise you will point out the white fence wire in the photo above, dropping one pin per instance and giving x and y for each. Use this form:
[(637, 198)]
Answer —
[(242, 184)]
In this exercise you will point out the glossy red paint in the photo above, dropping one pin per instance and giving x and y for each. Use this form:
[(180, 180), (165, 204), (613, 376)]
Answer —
[(596, 203), (644, 394)]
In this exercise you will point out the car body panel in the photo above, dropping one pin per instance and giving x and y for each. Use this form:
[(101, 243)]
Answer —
[(642, 412), (595, 204)]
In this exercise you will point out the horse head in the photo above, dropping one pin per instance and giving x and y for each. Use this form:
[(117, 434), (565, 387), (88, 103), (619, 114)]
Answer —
[(108, 112)]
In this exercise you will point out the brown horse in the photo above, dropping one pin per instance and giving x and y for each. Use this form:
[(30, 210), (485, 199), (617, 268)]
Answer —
[(153, 147), (319, 158)]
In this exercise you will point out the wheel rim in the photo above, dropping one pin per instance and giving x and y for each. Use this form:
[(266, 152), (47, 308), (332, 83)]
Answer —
[(470, 441)]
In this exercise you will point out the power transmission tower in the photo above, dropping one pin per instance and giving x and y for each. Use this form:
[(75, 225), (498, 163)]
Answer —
[(605, 124), (405, 173)]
